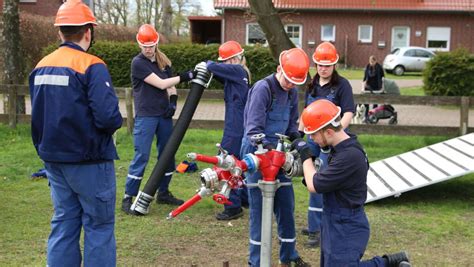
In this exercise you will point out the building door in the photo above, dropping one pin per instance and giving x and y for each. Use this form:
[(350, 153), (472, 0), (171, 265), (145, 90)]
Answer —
[(400, 36)]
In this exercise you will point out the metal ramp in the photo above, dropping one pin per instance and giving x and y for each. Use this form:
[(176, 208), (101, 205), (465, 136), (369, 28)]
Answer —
[(422, 167)]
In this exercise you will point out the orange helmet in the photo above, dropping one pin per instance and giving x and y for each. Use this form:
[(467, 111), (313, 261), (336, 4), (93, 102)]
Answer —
[(147, 35), (319, 114), (295, 65), (74, 13), (325, 54), (229, 49)]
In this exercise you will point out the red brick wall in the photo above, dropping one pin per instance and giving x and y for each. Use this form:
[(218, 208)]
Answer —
[(41, 7), (347, 24)]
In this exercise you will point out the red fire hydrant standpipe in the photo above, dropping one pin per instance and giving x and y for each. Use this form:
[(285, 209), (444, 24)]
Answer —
[(227, 174)]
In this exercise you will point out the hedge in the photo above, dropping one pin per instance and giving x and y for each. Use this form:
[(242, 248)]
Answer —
[(37, 32), (450, 74), (118, 57)]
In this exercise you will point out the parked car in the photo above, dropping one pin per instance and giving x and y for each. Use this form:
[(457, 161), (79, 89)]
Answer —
[(410, 58)]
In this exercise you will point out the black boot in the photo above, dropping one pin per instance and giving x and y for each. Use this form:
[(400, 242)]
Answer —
[(298, 262), (313, 240), (168, 198), (397, 259), (230, 214), (126, 205)]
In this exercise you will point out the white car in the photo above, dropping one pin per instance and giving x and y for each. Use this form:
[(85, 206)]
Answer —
[(407, 59)]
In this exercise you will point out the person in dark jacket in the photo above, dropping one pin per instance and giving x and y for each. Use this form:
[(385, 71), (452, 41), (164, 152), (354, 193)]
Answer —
[(343, 184), (74, 114), (373, 80), (235, 76), (155, 101)]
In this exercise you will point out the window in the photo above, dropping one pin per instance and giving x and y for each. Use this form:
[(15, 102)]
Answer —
[(365, 33), (328, 32), (410, 53), (294, 33), (438, 38), (255, 34), (423, 53)]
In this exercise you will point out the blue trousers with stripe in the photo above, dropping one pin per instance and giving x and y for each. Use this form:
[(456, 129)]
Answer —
[(83, 197)]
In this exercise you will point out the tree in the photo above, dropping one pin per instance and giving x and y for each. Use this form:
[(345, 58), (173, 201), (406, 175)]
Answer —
[(12, 50), (180, 20), (111, 11), (270, 22), (167, 11), (145, 11)]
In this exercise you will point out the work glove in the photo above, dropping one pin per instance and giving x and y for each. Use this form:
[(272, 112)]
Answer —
[(302, 148), (269, 146), (171, 110), (187, 76)]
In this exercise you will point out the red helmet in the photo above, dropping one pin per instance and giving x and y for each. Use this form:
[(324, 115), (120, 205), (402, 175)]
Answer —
[(325, 54), (74, 13), (319, 114), (295, 65), (147, 35), (229, 49)]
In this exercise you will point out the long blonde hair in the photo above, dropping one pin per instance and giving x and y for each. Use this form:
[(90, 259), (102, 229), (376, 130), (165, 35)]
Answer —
[(161, 59), (243, 62)]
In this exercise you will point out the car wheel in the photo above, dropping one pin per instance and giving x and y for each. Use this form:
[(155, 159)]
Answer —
[(399, 70)]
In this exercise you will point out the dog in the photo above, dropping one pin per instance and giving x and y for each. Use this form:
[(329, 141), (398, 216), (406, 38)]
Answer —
[(359, 116)]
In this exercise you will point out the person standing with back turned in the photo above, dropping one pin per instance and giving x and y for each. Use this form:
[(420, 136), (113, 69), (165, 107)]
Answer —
[(272, 108), (74, 114), (155, 101), (235, 76)]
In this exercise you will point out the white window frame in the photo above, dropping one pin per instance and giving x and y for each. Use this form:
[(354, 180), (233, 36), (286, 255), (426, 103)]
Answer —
[(448, 40), (247, 26), (300, 38), (369, 40), (333, 38)]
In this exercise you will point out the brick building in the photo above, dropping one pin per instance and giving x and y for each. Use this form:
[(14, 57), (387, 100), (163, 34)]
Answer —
[(359, 28)]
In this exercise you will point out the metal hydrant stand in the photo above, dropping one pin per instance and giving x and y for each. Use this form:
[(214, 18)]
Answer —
[(227, 175)]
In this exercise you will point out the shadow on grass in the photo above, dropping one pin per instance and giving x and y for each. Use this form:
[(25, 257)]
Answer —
[(456, 190)]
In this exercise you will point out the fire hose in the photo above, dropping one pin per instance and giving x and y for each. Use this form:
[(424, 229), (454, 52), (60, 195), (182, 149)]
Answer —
[(198, 84)]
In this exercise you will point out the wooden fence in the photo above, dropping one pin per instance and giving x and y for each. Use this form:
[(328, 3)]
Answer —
[(464, 103)]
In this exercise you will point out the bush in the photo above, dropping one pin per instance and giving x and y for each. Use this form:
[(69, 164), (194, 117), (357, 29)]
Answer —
[(38, 32), (118, 57), (450, 74)]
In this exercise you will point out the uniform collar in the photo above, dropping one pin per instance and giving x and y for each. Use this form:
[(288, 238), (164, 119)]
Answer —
[(345, 143), (72, 45), (141, 55)]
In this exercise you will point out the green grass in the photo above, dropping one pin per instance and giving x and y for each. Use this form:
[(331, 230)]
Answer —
[(415, 90), (358, 74), (434, 224)]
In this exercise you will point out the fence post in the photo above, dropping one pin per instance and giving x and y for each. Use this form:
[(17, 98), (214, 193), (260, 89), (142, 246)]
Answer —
[(129, 109), (12, 116), (464, 121)]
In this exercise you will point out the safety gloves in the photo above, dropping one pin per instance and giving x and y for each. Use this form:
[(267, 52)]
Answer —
[(172, 107), (303, 149), (187, 76)]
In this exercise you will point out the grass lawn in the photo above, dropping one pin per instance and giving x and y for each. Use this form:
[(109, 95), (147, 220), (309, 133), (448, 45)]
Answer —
[(434, 224)]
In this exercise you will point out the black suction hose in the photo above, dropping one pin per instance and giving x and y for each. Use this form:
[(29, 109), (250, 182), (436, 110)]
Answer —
[(198, 84)]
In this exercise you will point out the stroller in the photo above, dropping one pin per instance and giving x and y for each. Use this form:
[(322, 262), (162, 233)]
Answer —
[(385, 111)]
